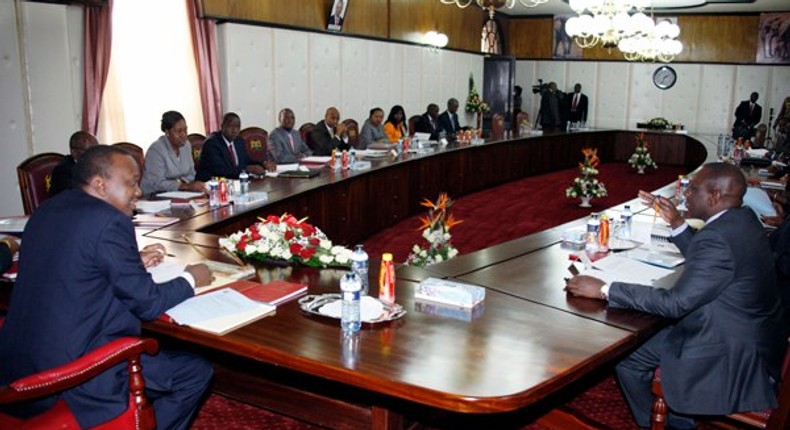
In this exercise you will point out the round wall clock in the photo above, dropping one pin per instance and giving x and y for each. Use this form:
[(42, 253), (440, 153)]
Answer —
[(665, 77)]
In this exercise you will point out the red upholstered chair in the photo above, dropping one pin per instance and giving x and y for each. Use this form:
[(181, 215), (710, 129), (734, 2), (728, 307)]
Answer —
[(772, 419), (498, 126), (352, 129), (413, 124), (196, 140), (305, 131), (136, 152), (256, 139), (139, 415), (35, 178), (520, 117)]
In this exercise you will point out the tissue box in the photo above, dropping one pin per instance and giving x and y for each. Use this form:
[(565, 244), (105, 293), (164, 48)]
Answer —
[(450, 292), (448, 311)]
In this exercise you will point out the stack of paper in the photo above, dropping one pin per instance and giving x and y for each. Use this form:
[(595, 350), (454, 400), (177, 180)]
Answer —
[(171, 268), (149, 220), (219, 312), (152, 206), (616, 268)]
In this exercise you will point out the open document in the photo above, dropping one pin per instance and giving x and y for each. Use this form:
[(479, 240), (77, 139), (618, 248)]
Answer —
[(171, 268), (616, 268), (219, 312)]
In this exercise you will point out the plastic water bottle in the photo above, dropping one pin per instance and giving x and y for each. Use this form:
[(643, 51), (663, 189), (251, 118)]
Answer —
[(591, 241), (349, 290), (244, 180), (684, 184), (360, 265), (213, 193), (625, 218), (352, 158), (720, 146)]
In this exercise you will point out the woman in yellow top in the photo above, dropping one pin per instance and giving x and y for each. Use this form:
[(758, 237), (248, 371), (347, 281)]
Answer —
[(395, 128)]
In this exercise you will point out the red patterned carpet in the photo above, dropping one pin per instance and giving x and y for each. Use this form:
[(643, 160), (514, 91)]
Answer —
[(490, 217)]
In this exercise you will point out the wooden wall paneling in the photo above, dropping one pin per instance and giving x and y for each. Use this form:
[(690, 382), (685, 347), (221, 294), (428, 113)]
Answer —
[(529, 37), (719, 38), (409, 19), (303, 13), (367, 17)]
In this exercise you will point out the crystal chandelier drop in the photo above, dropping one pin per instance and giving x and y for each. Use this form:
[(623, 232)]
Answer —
[(658, 43), (492, 5)]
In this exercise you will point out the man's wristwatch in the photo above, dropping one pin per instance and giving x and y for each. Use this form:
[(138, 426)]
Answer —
[(603, 294)]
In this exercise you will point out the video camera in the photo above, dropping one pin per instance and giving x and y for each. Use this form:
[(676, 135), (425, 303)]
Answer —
[(540, 87)]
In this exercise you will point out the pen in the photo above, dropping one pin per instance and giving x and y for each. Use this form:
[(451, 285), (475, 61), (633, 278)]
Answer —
[(655, 208), (195, 247), (235, 257)]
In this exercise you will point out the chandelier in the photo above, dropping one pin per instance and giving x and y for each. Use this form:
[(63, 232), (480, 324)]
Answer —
[(492, 5), (621, 24), (658, 43)]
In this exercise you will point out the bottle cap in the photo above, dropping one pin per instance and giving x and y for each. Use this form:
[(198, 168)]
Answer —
[(386, 256)]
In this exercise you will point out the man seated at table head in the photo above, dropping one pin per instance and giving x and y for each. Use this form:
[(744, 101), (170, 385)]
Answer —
[(448, 121), (329, 134), (225, 155), (373, 131), (63, 173), (428, 122), (285, 144), (723, 351), (82, 284)]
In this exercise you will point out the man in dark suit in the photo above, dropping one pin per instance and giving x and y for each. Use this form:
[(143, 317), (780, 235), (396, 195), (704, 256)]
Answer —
[(747, 115), (428, 122), (329, 134), (224, 153), (576, 105), (723, 352), (82, 283), (63, 173), (448, 120)]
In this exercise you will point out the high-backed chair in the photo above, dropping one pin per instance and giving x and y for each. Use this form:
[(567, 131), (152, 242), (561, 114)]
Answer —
[(772, 419), (498, 126), (413, 120), (196, 140), (35, 178), (305, 131), (352, 128), (139, 415), (256, 139), (136, 152), (520, 117)]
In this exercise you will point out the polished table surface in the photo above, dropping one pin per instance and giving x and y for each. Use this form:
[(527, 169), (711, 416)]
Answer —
[(526, 341)]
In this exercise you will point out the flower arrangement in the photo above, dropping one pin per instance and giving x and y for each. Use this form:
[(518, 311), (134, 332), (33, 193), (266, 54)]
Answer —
[(436, 231), (473, 102), (587, 185), (641, 158), (288, 239)]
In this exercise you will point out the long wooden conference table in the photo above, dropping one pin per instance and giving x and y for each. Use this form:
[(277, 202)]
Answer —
[(497, 366)]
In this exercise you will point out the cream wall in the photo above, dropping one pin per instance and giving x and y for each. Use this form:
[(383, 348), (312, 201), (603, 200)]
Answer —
[(622, 94), (266, 69)]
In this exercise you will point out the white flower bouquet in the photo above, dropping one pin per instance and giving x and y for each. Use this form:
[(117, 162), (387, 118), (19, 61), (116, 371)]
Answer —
[(288, 239), (587, 185), (436, 231), (641, 158)]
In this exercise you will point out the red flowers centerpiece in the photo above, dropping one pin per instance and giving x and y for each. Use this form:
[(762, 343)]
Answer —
[(288, 239)]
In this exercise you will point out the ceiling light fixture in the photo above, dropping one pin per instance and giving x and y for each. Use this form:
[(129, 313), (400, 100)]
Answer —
[(492, 5)]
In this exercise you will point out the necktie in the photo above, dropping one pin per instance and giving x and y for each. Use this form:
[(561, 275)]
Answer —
[(452, 123), (575, 102), (232, 155), (291, 139)]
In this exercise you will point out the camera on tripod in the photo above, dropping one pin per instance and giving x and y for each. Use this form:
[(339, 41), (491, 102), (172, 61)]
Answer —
[(540, 87)]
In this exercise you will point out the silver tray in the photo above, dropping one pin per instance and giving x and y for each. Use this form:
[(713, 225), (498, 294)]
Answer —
[(312, 303)]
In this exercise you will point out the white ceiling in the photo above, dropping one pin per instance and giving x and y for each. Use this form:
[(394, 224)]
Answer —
[(559, 7)]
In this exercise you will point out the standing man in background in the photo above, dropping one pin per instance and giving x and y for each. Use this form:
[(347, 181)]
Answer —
[(551, 108), (576, 104), (747, 116)]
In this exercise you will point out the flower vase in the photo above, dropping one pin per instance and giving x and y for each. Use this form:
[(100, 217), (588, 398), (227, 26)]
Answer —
[(585, 202), (640, 170)]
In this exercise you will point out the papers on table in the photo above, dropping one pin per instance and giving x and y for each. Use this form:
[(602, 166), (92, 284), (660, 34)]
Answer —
[(14, 224), (316, 159), (219, 312), (616, 268), (421, 136), (171, 268), (185, 195), (251, 198), (150, 220), (373, 153), (287, 168), (152, 206)]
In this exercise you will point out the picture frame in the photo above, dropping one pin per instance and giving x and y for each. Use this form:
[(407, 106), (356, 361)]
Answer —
[(337, 15)]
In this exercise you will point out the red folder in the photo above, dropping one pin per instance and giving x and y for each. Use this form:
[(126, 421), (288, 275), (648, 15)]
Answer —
[(275, 292)]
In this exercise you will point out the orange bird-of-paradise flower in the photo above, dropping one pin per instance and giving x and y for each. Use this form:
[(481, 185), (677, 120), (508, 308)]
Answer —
[(451, 221), (591, 157)]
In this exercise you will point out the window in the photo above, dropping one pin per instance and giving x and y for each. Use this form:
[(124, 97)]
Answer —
[(152, 70), (490, 41)]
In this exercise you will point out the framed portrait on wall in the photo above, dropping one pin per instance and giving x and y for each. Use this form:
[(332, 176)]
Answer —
[(337, 15), (564, 46), (773, 44)]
